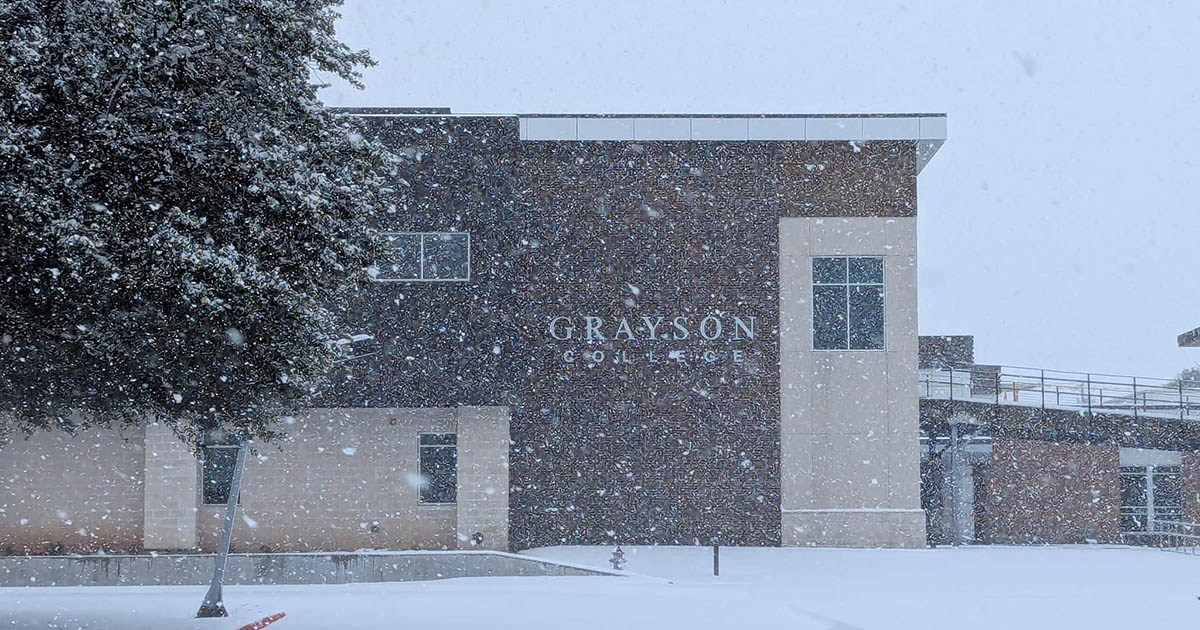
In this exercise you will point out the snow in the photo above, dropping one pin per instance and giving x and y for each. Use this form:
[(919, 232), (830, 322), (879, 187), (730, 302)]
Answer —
[(982, 588)]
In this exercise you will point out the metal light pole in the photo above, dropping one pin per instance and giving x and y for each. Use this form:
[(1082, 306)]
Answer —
[(214, 605)]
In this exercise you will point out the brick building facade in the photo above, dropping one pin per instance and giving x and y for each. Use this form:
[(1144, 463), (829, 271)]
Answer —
[(643, 344), (1042, 459)]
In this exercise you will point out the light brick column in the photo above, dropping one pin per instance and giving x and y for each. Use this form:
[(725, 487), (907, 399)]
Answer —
[(849, 436), (170, 508), (483, 441)]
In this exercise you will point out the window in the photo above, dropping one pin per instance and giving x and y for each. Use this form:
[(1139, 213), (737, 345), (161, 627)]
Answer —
[(219, 462), (1149, 494), (439, 467), (422, 257), (848, 303)]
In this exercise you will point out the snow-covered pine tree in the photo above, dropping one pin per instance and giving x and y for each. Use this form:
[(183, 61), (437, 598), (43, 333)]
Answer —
[(1188, 378), (180, 215)]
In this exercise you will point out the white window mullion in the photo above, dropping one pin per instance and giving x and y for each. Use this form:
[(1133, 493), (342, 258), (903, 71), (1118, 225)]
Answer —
[(846, 271), (846, 287), (1150, 498), (423, 236)]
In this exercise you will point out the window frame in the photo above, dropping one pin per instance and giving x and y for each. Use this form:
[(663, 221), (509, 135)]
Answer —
[(847, 285), (203, 479), (1153, 510), (421, 256), (420, 469)]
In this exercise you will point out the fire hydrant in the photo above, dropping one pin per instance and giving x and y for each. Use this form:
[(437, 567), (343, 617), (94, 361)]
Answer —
[(618, 559)]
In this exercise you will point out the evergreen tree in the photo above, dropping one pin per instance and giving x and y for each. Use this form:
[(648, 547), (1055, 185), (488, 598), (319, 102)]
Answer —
[(181, 217), (1188, 378)]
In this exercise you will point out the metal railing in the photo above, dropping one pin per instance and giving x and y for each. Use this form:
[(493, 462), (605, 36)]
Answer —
[(1179, 536), (1057, 389)]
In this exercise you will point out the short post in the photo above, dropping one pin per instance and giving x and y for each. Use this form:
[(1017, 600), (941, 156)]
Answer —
[(214, 605), (716, 559), (951, 383), (1043, 389), (1135, 411), (1181, 407)]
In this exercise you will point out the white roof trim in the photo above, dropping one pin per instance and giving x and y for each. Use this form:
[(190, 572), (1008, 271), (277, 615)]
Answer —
[(927, 131), (929, 128)]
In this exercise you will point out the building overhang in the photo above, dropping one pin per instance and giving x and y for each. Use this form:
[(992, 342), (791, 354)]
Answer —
[(926, 131), (1190, 339)]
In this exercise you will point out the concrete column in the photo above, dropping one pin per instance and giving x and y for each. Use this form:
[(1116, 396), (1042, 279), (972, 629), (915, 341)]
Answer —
[(958, 507), (169, 517), (483, 441), (850, 458)]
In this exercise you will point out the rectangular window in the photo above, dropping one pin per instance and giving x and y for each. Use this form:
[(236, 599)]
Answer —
[(1134, 504), (219, 462), (1149, 494), (1168, 493), (848, 303), (422, 257), (439, 467)]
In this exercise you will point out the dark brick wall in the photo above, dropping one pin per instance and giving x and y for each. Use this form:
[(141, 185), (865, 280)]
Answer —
[(626, 452), (436, 341), (1048, 492), (857, 179), (1061, 425), (1190, 467), (943, 350), (671, 453)]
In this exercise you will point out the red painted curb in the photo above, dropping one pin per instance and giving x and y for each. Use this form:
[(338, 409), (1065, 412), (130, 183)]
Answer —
[(264, 622)]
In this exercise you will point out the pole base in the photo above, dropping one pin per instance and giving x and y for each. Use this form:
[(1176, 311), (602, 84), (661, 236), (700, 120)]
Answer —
[(211, 610)]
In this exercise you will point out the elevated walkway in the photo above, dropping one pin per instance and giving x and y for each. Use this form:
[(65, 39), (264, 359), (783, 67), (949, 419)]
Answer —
[(1057, 405)]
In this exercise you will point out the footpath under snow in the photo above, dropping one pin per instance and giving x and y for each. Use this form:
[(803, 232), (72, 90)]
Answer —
[(985, 588)]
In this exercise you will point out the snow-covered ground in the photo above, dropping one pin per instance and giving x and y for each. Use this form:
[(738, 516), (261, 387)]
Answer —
[(981, 588)]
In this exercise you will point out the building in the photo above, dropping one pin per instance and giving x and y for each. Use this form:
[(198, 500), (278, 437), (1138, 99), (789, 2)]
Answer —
[(1030, 455), (1190, 339), (586, 330)]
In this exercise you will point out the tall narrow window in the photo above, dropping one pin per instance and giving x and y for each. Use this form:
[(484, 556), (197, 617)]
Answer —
[(422, 257), (219, 462), (848, 303), (439, 467)]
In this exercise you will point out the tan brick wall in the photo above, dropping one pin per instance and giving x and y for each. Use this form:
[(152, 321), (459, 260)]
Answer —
[(75, 494), (342, 479), (169, 521), (483, 440), (1049, 492), (849, 436)]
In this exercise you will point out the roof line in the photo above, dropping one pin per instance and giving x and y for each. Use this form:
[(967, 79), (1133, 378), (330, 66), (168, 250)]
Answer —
[(711, 115), (445, 111)]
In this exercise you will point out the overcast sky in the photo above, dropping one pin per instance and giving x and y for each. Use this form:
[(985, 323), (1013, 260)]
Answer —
[(1059, 224)]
